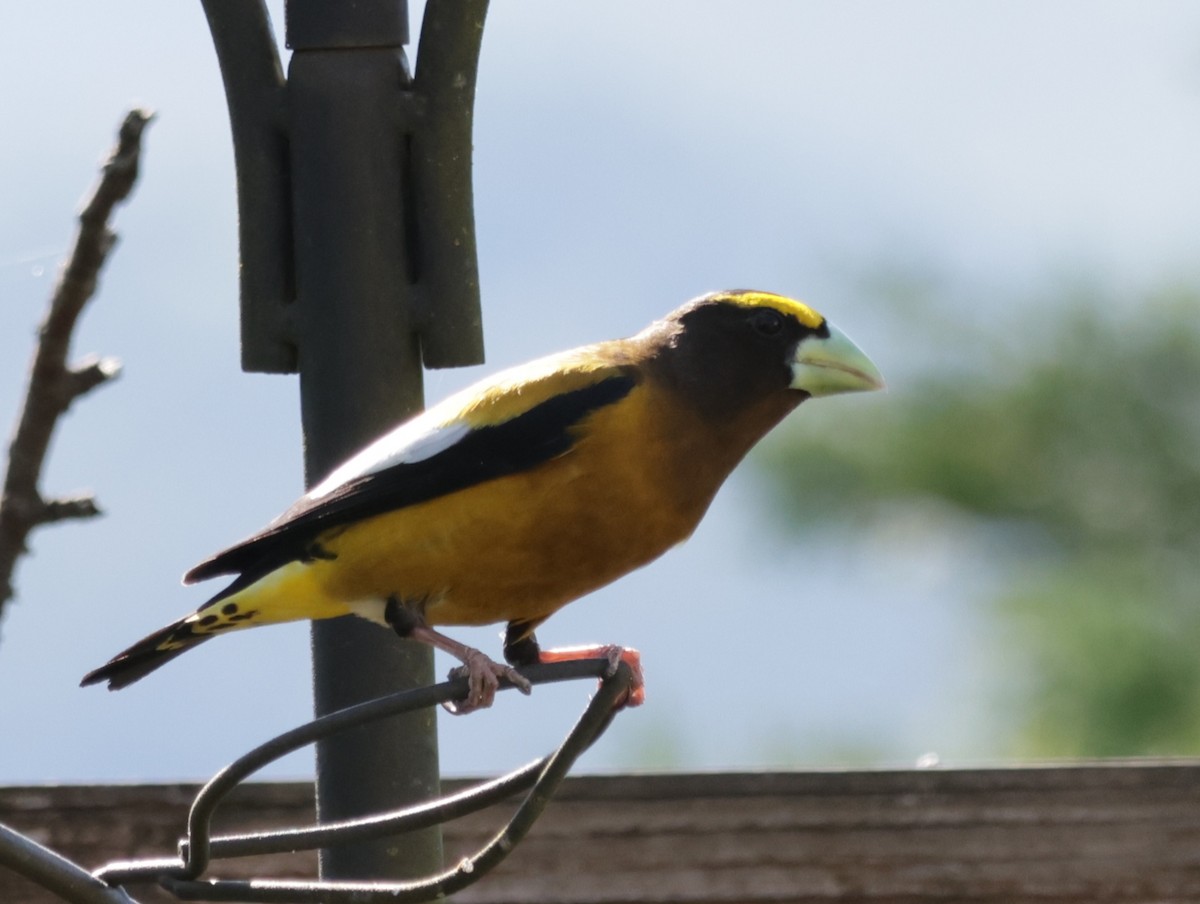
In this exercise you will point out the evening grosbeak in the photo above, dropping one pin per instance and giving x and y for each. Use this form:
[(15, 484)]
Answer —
[(527, 490)]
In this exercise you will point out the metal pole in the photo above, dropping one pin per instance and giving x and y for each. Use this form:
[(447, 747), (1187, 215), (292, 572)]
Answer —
[(360, 373), (357, 261)]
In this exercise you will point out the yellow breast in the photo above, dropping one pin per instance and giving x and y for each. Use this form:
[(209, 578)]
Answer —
[(521, 546)]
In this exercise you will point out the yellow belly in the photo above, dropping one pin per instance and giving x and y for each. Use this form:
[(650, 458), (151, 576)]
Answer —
[(522, 546)]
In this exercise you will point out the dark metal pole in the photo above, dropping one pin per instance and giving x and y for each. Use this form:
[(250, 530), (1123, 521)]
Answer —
[(357, 262), (360, 373)]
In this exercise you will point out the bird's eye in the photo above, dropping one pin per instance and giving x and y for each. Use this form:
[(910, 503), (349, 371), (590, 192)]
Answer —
[(767, 322)]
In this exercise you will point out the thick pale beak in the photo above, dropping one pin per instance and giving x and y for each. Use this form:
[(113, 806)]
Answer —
[(831, 365)]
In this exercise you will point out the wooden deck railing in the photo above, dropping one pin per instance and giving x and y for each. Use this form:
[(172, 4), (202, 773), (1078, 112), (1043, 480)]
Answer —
[(1125, 831)]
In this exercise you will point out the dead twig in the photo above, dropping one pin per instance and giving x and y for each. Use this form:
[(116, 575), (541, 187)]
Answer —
[(53, 384)]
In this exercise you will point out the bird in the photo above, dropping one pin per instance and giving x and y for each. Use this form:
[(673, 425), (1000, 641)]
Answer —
[(527, 490)]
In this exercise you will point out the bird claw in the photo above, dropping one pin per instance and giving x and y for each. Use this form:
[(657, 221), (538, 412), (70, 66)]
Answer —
[(483, 676), (636, 695)]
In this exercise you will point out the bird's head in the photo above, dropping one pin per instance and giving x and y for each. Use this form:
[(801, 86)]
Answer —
[(732, 348)]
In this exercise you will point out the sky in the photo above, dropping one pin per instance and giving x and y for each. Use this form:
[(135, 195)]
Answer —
[(628, 156)]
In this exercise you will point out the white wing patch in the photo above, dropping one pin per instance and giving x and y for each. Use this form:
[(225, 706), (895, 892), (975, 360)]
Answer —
[(412, 441)]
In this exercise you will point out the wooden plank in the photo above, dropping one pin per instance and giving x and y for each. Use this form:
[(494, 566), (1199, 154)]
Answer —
[(1124, 832)]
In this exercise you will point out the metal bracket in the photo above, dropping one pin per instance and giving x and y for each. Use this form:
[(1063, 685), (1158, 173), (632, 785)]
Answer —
[(437, 173), (181, 875), (255, 92)]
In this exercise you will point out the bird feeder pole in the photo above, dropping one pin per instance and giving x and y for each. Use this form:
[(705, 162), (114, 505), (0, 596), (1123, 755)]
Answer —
[(358, 262)]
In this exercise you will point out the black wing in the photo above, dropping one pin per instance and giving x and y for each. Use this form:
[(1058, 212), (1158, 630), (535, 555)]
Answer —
[(523, 442)]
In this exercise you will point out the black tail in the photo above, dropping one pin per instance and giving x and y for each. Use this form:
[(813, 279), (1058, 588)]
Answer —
[(146, 655)]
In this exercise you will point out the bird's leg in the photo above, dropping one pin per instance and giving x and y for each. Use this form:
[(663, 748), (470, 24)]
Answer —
[(521, 648), (482, 673)]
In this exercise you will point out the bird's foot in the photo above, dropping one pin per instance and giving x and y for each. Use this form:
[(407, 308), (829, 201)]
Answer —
[(482, 673), (483, 676), (636, 695)]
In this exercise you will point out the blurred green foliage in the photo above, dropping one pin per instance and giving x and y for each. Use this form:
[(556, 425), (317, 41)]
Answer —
[(1072, 441)]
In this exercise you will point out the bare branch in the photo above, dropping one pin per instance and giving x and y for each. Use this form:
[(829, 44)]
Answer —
[(69, 508), (91, 372), (53, 386)]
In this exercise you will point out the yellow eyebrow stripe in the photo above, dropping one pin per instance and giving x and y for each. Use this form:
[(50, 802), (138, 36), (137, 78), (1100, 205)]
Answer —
[(780, 303)]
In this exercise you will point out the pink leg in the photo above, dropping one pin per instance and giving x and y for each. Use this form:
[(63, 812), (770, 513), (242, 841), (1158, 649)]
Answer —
[(483, 674), (615, 656)]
